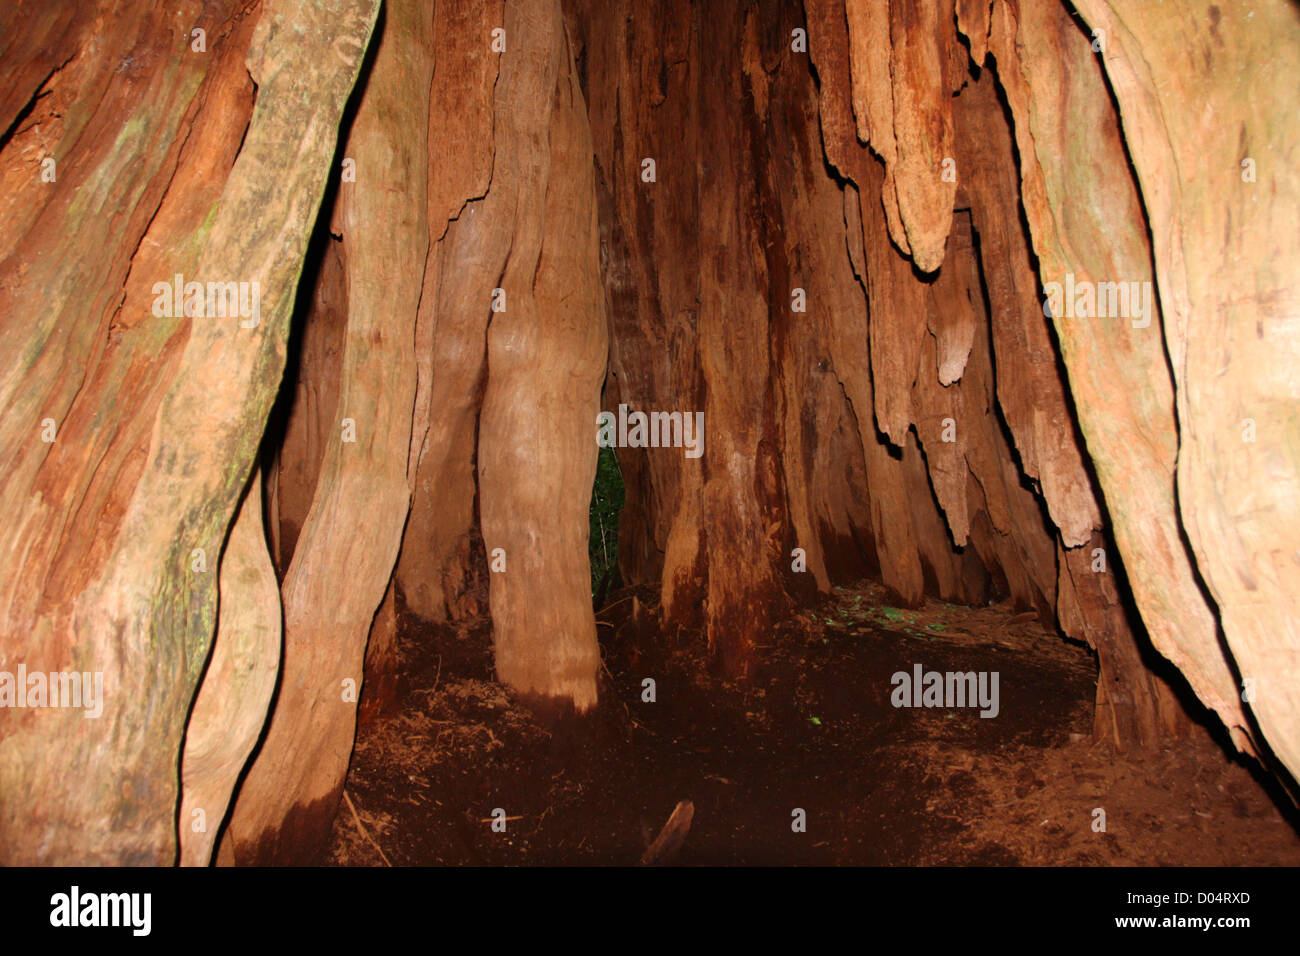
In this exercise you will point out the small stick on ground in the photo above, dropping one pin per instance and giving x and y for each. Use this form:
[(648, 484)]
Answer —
[(362, 827), (670, 838), (615, 604)]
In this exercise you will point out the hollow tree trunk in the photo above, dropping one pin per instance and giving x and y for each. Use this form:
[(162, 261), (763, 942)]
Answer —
[(834, 246)]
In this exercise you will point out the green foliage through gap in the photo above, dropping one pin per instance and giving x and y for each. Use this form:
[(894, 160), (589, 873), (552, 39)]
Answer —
[(606, 503)]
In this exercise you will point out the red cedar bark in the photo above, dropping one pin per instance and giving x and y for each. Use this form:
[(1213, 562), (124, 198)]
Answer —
[(230, 706), (891, 519), (919, 33), (440, 571), (1086, 219), (643, 94), (1135, 708), (821, 451), (349, 542), (159, 424), (696, 333), (868, 53), (312, 385), (898, 309), (546, 359), (892, 515), (1215, 151), (744, 531), (381, 670), (943, 428), (1030, 391)]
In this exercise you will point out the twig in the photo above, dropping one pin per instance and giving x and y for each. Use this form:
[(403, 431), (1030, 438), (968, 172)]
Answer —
[(617, 603), (669, 840), (600, 519), (362, 827)]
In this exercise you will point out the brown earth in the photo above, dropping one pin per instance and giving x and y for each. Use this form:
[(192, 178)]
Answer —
[(813, 730)]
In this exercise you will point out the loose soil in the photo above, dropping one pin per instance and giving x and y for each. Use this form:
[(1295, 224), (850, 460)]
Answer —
[(813, 730)]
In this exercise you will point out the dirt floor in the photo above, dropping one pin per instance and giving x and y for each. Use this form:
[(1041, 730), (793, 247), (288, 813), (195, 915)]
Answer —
[(816, 731)]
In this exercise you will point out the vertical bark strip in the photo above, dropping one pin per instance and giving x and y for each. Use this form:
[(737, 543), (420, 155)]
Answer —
[(1221, 185), (350, 539), (231, 703), (1087, 220), (919, 32), (438, 570), (546, 360)]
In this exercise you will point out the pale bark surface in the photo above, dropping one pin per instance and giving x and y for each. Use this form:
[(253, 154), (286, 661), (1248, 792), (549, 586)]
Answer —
[(1221, 186), (351, 534), (1119, 374), (231, 704), (546, 359), (158, 419)]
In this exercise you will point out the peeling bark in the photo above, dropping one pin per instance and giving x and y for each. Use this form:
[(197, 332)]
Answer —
[(437, 569)]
